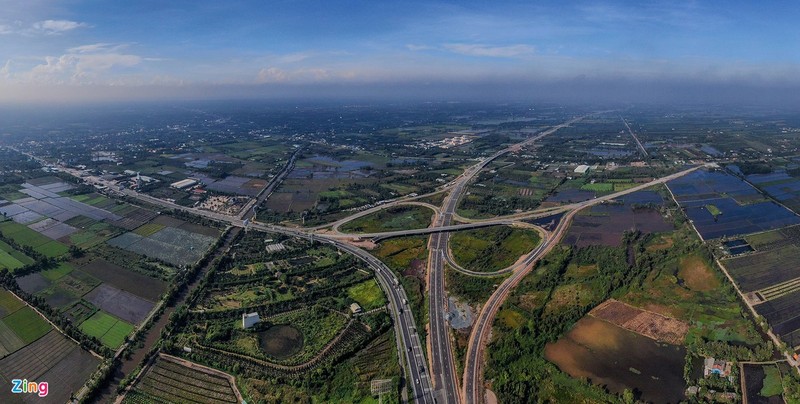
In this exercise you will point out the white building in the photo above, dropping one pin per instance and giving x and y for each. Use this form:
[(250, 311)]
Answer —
[(582, 169), (250, 319), (355, 308), (183, 183)]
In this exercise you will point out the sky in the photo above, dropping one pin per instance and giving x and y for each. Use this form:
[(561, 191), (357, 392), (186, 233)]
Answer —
[(78, 50)]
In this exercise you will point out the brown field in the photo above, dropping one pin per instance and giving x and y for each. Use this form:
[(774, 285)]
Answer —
[(649, 324), (662, 243), (533, 300), (580, 271), (696, 274), (570, 295)]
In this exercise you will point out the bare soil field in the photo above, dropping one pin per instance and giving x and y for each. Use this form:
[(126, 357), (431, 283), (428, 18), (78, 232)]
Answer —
[(649, 324)]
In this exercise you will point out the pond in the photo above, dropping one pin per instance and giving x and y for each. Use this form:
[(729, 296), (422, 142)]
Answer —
[(280, 341), (616, 358)]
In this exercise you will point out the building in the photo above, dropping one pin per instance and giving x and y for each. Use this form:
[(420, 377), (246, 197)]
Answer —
[(581, 169), (183, 183), (716, 367), (250, 319), (355, 308)]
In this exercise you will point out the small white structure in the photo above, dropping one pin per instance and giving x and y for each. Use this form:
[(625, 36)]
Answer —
[(250, 319), (183, 183), (581, 169), (355, 308)]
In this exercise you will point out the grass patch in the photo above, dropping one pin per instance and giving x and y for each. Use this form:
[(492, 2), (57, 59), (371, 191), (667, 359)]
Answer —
[(492, 248), (773, 385), (368, 294), (390, 219), (27, 324), (713, 210), (7, 260), (696, 274)]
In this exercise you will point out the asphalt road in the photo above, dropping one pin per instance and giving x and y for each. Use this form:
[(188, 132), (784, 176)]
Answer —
[(442, 363)]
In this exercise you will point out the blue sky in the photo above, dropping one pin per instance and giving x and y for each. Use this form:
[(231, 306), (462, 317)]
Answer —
[(107, 49)]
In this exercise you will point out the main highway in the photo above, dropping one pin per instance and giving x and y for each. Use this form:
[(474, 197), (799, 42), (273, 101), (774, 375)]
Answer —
[(443, 368)]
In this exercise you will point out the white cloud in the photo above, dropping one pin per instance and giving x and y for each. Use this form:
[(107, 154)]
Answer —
[(5, 30), (302, 75), (57, 26), (490, 51), (87, 64), (272, 75), (96, 47), (415, 48)]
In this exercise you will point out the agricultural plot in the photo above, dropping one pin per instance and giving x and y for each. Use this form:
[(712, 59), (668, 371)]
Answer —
[(12, 259), (606, 224), (27, 324), (773, 262), (67, 289), (52, 358), (652, 325), (779, 185), (120, 303), (108, 329), (730, 216), (22, 235), (167, 380), (143, 286), (172, 245)]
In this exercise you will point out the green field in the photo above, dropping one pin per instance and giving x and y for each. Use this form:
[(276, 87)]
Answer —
[(11, 254), (8, 303), (598, 187), (368, 294), (27, 324), (492, 248), (57, 272), (52, 249), (773, 385), (148, 229), (24, 236), (108, 329), (6, 260), (394, 218), (713, 210)]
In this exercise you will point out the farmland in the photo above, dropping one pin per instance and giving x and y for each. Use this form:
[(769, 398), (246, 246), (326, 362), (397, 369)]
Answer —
[(109, 330), (12, 259), (168, 380), (721, 205), (492, 248), (391, 219), (52, 358), (173, 245)]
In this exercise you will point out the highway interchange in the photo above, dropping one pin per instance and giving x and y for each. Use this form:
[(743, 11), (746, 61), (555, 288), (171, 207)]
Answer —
[(438, 382)]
